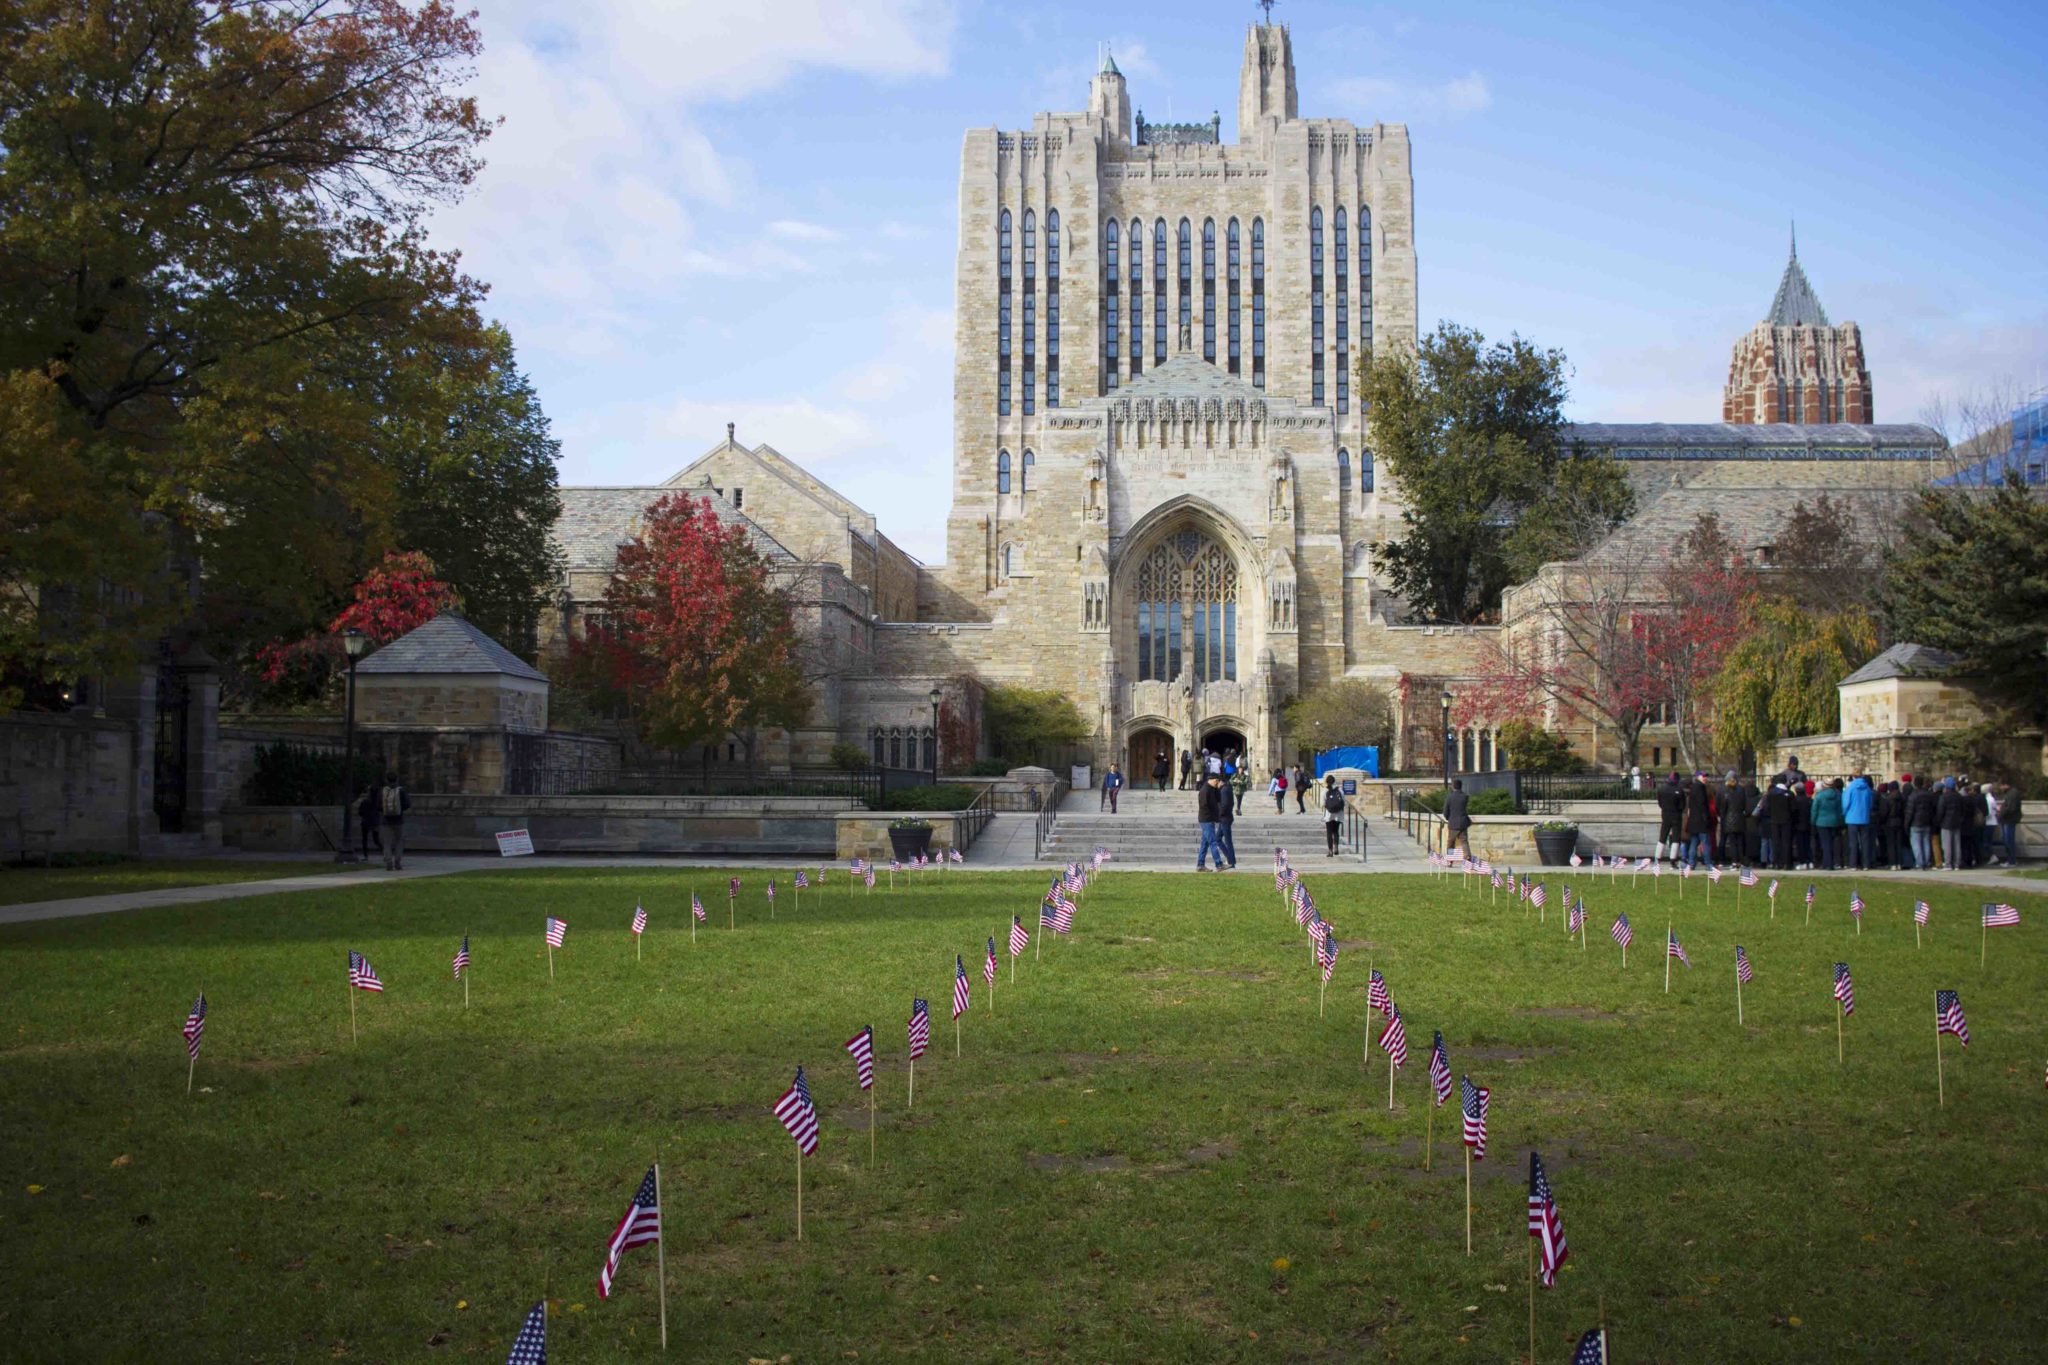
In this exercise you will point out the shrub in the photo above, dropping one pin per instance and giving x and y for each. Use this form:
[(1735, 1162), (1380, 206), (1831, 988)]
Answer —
[(1534, 750), (1492, 801), (945, 796), (848, 757), (987, 767), (1024, 722), (294, 775)]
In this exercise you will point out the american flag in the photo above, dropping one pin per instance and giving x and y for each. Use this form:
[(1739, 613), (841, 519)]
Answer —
[(1540, 895), (1685, 871), (1280, 881), (461, 962), (869, 877), (558, 932), (858, 866), (1472, 1100), (1302, 904), (798, 1115), (1673, 948), (530, 1347), (641, 1225), (361, 974), (920, 1027), (1747, 877), (1809, 895), (1742, 971), (1544, 1224), (1592, 1348), (1318, 930), (1922, 911), (1326, 953), (1496, 879), (1376, 996), (1845, 988), (1439, 1069), (803, 883), (954, 855), (1019, 935), (1575, 919), (771, 890), (1394, 1039), (1621, 933), (639, 920), (1645, 865), (988, 966), (1773, 892), (696, 906), (1062, 914), (1948, 1016), (732, 888), (195, 1025), (2001, 916), (895, 866), (862, 1046), (961, 993), (1576, 860), (1855, 902), (1714, 875)]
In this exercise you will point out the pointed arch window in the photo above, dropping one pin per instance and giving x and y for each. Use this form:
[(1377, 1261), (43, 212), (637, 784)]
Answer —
[(1209, 290), (1003, 315), (1343, 469), (1030, 376), (1024, 472), (1367, 470), (1159, 291), (1009, 560), (1343, 246), (1187, 589), (1231, 269), (1052, 308), (1112, 301), (1002, 471), (1365, 283), (1186, 316), (1258, 303), (1315, 306), (1137, 272)]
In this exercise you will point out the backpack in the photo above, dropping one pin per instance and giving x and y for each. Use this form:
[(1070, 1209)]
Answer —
[(1333, 801), (392, 801)]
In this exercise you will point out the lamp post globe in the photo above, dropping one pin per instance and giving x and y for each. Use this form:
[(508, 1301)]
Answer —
[(1445, 702)]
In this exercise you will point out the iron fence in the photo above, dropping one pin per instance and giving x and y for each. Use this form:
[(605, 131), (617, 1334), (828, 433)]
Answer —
[(1552, 792), (856, 788)]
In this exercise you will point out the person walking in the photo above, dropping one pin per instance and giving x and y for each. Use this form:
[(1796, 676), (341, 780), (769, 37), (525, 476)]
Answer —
[(1921, 808), (1277, 789), (1699, 823), (2009, 812), (1670, 819), (1208, 814), (1240, 783), (1951, 814), (1187, 765), (393, 801), (1112, 783), (1161, 770), (1225, 818), (1458, 817), (368, 823), (1333, 814), (1299, 782), (1858, 805)]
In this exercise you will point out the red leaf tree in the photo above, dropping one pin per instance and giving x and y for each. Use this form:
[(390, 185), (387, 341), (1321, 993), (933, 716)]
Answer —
[(400, 595), (1704, 587), (694, 634)]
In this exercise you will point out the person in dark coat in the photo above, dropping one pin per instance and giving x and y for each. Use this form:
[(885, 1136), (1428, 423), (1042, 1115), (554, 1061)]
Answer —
[(1670, 820), (1209, 799), (368, 824), (1752, 822), (1952, 815), (1458, 817), (1187, 765), (2010, 809), (1802, 828), (1734, 819), (1897, 797), (1161, 770), (1777, 808), (393, 801), (1921, 808), (1226, 816), (1699, 823)]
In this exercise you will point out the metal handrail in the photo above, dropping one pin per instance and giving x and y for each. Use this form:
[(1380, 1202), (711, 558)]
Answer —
[(1355, 827), (973, 819), (1048, 815)]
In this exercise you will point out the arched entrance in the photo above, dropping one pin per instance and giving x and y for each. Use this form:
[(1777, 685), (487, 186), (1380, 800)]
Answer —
[(1225, 740), (1184, 610), (1143, 751)]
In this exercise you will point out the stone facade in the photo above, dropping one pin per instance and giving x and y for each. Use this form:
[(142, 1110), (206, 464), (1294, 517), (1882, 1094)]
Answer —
[(1795, 366)]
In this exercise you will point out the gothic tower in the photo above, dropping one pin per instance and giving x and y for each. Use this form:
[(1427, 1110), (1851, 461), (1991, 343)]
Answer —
[(1795, 366)]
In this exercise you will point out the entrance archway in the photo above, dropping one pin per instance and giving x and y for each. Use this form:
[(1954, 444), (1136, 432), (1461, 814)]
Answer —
[(1225, 740), (1143, 751)]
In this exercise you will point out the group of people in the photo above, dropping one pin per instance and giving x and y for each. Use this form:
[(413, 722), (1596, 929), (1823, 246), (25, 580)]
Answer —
[(380, 821), (1795, 822)]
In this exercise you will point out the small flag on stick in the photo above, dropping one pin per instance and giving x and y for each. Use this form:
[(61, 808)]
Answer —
[(1472, 1101), (800, 1119), (195, 1027), (1948, 1018), (641, 1225), (920, 1038)]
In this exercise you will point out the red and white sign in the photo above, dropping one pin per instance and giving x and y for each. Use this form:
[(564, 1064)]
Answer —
[(514, 843)]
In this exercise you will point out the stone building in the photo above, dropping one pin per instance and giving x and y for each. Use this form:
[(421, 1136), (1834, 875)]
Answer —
[(1795, 366)]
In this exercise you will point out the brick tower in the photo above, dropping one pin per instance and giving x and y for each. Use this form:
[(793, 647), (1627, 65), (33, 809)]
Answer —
[(1795, 366)]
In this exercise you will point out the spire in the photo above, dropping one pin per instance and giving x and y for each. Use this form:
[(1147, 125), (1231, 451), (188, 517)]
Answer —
[(1108, 63), (1795, 304)]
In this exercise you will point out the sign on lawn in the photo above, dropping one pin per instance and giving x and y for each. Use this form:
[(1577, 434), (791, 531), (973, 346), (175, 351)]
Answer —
[(514, 843)]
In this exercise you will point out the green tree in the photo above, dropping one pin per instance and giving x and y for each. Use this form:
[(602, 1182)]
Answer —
[(1347, 711), (1529, 748), (1023, 722), (1779, 678), (1969, 575), (1474, 436), (202, 205)]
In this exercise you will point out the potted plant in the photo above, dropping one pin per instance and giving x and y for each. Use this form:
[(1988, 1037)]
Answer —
[(1556, 841), (909, 835)]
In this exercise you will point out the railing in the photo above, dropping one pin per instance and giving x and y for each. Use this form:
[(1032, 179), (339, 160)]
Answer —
[(973, 819), (1426, 827), (857, 789), (1550, 793), (1048, 814), (1355, 826)]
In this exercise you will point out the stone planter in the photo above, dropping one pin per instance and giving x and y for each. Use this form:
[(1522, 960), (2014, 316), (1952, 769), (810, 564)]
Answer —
[(908, 844), (1554, 847)]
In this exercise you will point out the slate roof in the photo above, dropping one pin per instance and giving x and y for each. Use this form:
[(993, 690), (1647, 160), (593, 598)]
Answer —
[(1772, 440), (448, 644), (1905, 661), (596, 521)]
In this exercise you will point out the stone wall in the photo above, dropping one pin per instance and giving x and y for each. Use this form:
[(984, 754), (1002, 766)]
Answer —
[(463, 700), (68, 783)]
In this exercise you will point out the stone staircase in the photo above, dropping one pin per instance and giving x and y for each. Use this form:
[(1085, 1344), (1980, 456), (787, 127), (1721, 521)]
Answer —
[(1158, 829)]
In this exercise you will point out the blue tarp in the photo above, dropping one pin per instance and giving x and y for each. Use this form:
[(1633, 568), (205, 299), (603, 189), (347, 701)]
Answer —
[(1365, 757)]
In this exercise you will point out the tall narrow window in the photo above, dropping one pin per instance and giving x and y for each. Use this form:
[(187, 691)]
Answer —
[(1003, 316), (1111, 304), (1024, 472), (1209, 290), (1230, 291), (1315, 306), (1030, 372), (1144, 641), (1258, 303), (1343, 317), (1159, 292), (1002, 471), (1052, 308), (1367, 470), (1343, 469), (1137, 297), (1365, 283), (1186, 316)]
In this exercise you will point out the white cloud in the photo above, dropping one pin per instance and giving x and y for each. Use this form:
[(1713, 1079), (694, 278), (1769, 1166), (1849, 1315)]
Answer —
[(790, 230), (1398, 101)]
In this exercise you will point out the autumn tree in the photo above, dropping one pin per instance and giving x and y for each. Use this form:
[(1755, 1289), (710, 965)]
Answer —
[(1825, 557), (1779, 676), (1347, 711), (1491, 489), (1703, 589), (694, 634), (209, 213), (398, 596), (1024, 722)]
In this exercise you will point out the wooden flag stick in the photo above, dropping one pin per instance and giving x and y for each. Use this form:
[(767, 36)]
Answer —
[(1321, 991), (465, 975), (1838, 1033), (1738, 998), (351, 1011), (192, 1057), (1390, 1082), (799, 1193), (1624, 957), (956, 1035), (871, 1127), (636, 947), (1428, 1129), (913, 1085), (551, 962), (660, 1253), (1468, 1201), (1940, 1091), (731, 917), (1532, 1301), (1667, 957), (1983, 940), (1916, 932)]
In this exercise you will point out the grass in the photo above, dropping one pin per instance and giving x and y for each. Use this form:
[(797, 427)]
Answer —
[(1155, 1150), (21, 885)]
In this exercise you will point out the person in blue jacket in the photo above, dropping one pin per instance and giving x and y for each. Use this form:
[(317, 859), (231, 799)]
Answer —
[(1858, 799)]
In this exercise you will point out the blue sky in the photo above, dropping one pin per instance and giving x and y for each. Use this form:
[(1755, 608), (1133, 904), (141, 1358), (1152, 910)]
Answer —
[(698, 213)]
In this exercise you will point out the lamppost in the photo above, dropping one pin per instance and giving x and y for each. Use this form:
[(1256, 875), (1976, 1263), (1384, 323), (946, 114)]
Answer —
[(933, 698), (355, 644), (1445, 702)]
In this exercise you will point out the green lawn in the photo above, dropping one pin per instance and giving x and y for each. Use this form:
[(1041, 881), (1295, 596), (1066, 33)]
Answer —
[(1153, 1121), (21, 885)]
